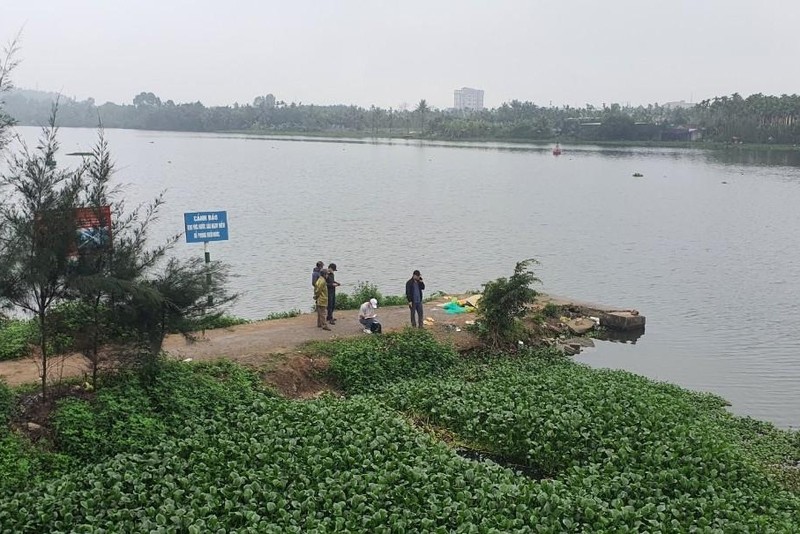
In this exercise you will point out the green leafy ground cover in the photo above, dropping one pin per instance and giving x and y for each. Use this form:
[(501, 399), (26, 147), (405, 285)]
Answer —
[(15, 338), (373, 362), (123, 416), (207, 450), (636, 454)]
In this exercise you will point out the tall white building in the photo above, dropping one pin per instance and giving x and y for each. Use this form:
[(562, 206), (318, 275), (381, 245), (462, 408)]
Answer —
[(466, 98)]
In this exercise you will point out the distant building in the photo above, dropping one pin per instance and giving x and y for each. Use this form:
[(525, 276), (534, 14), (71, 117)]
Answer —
[(682, 134), (680, 104), (466, 98)]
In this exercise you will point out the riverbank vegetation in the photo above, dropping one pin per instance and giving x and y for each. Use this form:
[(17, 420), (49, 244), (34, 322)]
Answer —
[(69, 319), (719, 122), (76, 262), (522, 441), (362, 292)]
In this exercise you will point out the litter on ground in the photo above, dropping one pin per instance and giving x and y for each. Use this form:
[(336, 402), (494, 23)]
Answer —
[(453, 307)]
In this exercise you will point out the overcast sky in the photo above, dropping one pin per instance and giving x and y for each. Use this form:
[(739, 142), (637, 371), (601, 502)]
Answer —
[(392, 52)]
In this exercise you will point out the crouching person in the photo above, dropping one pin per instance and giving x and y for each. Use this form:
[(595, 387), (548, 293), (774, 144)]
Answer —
[(368, 317)]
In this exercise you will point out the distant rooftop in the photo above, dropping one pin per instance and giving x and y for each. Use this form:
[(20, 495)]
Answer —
[(678, 104)]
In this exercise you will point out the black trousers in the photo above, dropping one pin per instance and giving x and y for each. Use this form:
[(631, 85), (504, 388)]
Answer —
[(331, 302)]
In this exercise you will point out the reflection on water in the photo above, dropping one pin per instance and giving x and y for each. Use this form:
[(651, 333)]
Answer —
[(744, 156), (712, 265), (620, 336)]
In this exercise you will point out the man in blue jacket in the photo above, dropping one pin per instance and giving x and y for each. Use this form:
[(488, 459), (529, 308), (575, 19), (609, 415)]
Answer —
[(414, 289)]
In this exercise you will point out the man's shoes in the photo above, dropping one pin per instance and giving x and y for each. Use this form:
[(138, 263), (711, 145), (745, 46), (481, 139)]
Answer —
[(325, 327), (367, 331), (332, 321)]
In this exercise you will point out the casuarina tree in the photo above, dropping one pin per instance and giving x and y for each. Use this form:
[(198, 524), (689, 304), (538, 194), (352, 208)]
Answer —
[(39, 234), (105, 275)]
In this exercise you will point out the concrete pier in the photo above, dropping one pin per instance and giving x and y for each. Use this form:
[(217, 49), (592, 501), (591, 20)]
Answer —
[(613, 318)]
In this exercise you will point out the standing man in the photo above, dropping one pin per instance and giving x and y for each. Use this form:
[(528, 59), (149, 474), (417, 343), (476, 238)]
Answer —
[(332, 285), (315, 273), (321, 298), (414, 289)]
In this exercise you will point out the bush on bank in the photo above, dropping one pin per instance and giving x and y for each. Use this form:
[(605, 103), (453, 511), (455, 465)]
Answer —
[(362, 292)]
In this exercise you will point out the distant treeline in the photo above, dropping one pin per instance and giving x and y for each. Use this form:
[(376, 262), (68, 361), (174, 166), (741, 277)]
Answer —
[(755, 119)]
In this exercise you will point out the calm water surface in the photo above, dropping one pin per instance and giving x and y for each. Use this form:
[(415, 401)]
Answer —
[(704, 245)]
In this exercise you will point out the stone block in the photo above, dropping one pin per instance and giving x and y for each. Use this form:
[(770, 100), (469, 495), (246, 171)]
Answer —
[(580, 326), (622, 320)]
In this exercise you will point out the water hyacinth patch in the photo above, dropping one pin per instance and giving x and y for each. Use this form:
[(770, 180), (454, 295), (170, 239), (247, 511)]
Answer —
[(371, 363), (277, 466), (603, 451), (642, 455)]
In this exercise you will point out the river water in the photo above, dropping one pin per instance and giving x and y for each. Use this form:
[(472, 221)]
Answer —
[(703, 244)]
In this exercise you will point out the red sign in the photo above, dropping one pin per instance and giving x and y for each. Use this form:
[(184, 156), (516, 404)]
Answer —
[(92, 229)]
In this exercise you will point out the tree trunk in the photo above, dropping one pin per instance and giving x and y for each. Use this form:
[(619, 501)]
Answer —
[(43, 346)]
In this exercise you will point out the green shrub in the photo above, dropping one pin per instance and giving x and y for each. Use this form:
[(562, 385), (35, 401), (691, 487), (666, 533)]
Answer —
[(217, 321), (365, 291), (504, 303), (551, 310), (345, 301), (393, 300), (16, 338), (355, 466), (78, 429), (372, 362), (70, 322), (362, 293), (283, 315)]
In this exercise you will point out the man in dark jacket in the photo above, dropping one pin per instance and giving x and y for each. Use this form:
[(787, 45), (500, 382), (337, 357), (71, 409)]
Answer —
[(315, 273), (414, 289), (332, 285)]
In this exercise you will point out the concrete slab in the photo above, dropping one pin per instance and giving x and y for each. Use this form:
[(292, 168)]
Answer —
[(622, 320), (613, 318)]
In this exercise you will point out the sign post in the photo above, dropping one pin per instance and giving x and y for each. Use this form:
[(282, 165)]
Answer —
[(202, 227)]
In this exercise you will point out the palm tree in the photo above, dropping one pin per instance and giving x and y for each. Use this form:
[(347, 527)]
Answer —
[(422, 108)]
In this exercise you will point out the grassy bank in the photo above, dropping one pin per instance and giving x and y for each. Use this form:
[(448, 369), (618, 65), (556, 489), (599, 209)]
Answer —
[(424, 440)]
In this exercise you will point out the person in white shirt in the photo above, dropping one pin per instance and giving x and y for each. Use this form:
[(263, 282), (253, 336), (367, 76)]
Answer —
[(368, 317)]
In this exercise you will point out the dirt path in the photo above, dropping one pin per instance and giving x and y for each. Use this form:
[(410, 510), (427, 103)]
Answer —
[(275, 348), (272, 346)]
